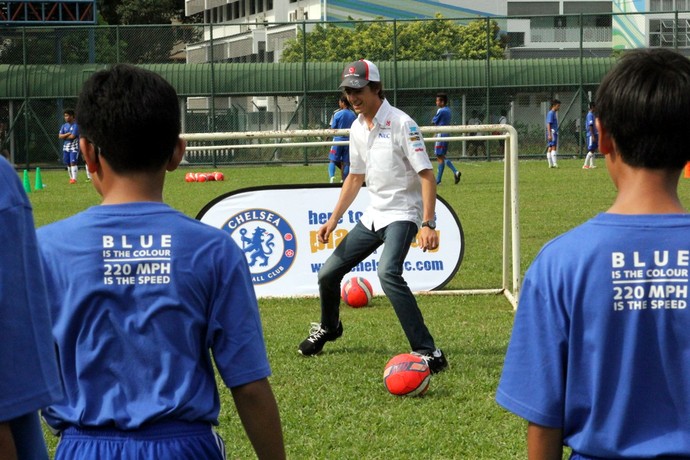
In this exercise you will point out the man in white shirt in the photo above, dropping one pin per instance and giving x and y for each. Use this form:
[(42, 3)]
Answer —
[(387, 151)]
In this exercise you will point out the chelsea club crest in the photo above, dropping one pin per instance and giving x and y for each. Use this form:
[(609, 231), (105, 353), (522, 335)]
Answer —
[(267, 240)]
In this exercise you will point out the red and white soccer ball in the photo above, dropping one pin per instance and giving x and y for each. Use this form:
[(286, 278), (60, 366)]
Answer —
[(407, 375), (357, 292), (218, 176), (190, 177)]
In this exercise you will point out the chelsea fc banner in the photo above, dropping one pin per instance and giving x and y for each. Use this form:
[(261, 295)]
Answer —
[(277, 226)]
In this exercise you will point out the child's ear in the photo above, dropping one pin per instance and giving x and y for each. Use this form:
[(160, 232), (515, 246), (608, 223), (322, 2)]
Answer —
[(88, 152), (605, 142), (177, 155)]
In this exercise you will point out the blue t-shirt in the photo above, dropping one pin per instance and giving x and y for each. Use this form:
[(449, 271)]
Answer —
[(442, 118), (589, 121), (552, 119), (342, 119), (28, 371), (70, 145), (142, 296), (600, 345)]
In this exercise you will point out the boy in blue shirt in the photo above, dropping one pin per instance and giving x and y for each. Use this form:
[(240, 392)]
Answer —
[(552, 134), (592, 137), (145, 299), (339, 155), (69, 134), (442, 118), (598, 359), (28, 371)]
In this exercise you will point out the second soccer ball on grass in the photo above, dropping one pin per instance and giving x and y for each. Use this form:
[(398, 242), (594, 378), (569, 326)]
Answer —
[(357, 292)]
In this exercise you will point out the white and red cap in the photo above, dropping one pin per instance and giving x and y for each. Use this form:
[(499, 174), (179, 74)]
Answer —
[(359, 73)]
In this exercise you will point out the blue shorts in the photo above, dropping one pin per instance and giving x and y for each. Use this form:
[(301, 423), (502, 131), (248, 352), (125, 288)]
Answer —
[(592, 144), (440, 148), (340, 153), (178, 440), (553, 142), (69, 157)]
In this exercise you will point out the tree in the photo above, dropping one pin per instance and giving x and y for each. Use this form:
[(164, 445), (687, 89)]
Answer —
[(429, 40), (472, 44), (122, 12), (59, 45), (326, 42), (437, 39), (148, 45)]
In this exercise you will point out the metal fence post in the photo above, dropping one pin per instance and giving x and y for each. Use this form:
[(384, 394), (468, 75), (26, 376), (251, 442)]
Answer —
[(488, 82), (395, 62), (212, 106), (305, 85)]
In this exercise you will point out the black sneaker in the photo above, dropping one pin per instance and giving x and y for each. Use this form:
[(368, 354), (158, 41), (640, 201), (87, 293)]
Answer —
[(436, 361), (458, 174), (318, 336)]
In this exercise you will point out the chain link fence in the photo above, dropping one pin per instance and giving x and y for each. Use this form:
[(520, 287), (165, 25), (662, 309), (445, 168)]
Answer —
[(32, 104)]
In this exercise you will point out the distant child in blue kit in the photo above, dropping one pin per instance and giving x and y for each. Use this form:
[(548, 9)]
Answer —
[(145, 299), (339, 155), (552, 134), (443, 118), (69, 134), (592, 137)]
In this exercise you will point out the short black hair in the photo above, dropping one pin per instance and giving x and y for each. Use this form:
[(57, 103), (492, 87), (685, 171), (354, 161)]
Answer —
[(132, 115), (343, 98), (555, 102), (644, 105), (375, 86), (443, 97), (69, 112)]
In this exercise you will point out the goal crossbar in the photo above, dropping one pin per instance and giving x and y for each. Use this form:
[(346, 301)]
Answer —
[(510, 283)]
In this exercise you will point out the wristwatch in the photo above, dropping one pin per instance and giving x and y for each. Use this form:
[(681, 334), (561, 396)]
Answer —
[(429, 223)]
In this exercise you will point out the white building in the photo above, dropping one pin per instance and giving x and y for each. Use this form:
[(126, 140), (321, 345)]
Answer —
[(535, 27), (256, 30)]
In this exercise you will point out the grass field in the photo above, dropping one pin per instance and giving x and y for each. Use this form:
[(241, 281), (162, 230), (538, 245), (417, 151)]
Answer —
[(334, 406)]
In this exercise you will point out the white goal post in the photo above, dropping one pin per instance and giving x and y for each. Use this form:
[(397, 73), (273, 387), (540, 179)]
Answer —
[(510, 286)]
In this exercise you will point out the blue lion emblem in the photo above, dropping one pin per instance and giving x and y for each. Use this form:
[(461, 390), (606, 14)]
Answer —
[(255, 247)]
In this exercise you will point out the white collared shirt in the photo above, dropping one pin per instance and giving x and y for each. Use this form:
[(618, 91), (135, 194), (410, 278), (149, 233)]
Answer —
[(390, 156)]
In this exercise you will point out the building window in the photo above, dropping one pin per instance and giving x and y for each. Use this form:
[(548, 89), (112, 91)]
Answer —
[(666, 5), (661, 33), (516, 39), (262, 51)]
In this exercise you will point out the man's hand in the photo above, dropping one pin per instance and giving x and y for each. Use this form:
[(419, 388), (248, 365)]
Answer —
[(427, 239), (325, 231)]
